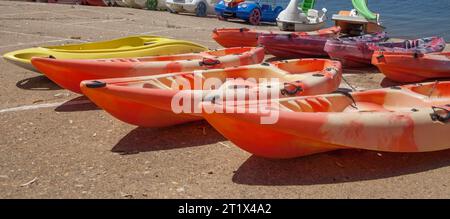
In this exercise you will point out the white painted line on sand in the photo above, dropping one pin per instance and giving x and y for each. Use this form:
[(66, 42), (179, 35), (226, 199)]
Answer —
[(102, 29), (22, 14), (44, 105), (33, 43)]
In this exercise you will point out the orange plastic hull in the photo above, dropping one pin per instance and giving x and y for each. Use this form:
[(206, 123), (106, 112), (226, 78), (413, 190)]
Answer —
[(146, 101), (69, 73), (398, 119), (237, 37), (410, 67)]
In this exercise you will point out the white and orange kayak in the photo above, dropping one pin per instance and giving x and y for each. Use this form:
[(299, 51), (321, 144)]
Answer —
[(411, 118), (235, 37), (148, 101), (412, 67), (68, 73)]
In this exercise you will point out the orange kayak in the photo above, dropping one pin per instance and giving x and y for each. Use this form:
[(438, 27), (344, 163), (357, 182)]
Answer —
[(411, 118), (68, 73), (237, 37), (412, 67), (148, 101)]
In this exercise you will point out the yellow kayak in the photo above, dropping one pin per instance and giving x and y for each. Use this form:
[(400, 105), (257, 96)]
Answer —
[(128, 47)]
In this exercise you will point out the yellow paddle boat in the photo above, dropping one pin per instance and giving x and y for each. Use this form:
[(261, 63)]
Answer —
[(128, 47)]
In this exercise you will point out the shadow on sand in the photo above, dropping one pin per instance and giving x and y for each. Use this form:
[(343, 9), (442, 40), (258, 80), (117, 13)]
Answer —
[(337, 167), (39, 82), (80, 103), (157, 139)]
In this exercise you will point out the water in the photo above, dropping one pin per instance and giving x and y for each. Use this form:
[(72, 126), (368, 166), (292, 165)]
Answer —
[(403, 18)]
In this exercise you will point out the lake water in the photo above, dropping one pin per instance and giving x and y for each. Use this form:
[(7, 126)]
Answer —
[(404, 18)]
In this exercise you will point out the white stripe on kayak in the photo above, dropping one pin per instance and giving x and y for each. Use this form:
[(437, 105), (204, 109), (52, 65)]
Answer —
[(44, 105)]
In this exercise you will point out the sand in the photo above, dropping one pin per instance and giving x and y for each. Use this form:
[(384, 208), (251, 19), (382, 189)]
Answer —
[(59, 145)]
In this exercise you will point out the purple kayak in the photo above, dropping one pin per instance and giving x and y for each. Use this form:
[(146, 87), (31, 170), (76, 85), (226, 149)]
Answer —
[(354, 53), (295, 45)]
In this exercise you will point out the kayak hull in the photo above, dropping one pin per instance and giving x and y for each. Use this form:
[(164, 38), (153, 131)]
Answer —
[(298, 45), (407, 68), (129, 47), (69, 73), (289, 46), (398, 119), (139, 100), (358, 53)]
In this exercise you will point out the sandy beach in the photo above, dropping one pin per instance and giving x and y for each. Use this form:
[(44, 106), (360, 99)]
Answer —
[(57, 144)]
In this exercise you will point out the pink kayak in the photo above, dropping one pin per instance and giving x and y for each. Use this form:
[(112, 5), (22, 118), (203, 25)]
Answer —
[(358, 53), (295, 45)]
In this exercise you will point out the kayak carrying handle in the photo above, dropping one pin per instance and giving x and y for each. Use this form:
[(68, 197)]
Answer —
[(209, 62), (440, 114), (291, 92)]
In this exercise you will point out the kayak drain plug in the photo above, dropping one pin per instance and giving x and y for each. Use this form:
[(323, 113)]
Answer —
[(95, 84)]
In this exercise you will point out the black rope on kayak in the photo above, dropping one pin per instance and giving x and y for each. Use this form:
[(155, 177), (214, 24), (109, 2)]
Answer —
[(436, 116), (347, 94), (291, 92), (209, 62)]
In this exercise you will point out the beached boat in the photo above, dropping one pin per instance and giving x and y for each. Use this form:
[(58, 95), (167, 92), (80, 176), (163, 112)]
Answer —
[(411, 118), (305, 18), (296, 45), (149, 101), (361, 20), (253, 12), (69, 73), (354, 52), (236, 37), (128, 47), (412, 67)]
